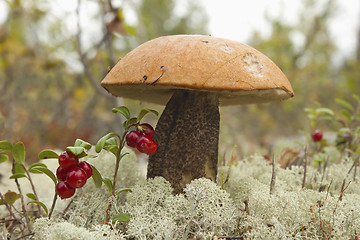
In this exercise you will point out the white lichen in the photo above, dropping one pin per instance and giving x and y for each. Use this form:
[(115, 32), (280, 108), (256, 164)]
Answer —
[(61, 230), (240, 205)]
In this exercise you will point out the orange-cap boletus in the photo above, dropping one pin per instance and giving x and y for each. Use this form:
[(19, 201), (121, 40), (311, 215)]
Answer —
[(193, 75)]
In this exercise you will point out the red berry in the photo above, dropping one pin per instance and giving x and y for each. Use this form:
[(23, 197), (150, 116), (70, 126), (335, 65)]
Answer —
[(132, 138), (64, 190), (87, 168), (61, 173), (68, 160), (76, 177), (146, 129), (317, 136), (146, 145)]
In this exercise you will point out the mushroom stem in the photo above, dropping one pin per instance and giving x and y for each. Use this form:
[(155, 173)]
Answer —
[(187, 135)]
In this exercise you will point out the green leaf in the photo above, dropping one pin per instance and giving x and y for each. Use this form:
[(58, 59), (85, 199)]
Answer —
[(41, 204), (357, 98), (123, 110), (120, 190), (17, 175), (46, 171), (5, 146), (96, 177), (82, 143), (31, 196), (129, 122), (310, 111), (10, 197), (3, 158), (18, 151), (113, 149), (324, 111), (346, 114), (145, 111), (111, 142), (101, 143), (123, 155), (78, 151), (18, 168), (47, 153), (108, 184), (345, 104), (34, 165), (111, 145), (122, 217)]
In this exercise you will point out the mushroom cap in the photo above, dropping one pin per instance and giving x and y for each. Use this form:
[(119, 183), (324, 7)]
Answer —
[(238, 73)]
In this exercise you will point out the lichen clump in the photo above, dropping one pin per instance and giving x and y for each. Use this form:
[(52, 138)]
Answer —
[(156, 213), (240, 204)]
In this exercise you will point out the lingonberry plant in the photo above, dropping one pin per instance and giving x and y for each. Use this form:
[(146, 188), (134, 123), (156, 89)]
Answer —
[(315, 115), (347, 135), (73, 173), (115, 142)]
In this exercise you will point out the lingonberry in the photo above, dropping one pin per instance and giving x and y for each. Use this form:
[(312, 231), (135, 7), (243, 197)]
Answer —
[(87, 168), (132, 138), (68, 160), (64, 190), (76, 177), (61, 173), (317, 136), (146, 129), (146, 145)]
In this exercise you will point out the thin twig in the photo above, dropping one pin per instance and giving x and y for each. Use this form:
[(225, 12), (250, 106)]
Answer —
[(67, 208), (337, 203), (247, 209), (305, 168), (23, 237), (328, 190), (94, 83), (324, 168), (230, 237), (33, 187), (153, 82), (273, 176), (347, 174)]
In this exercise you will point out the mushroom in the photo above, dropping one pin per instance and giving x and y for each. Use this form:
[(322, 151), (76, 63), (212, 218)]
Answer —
[(192, 75)]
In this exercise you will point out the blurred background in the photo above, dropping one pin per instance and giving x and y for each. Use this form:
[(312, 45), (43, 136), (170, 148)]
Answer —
[(54, 53)]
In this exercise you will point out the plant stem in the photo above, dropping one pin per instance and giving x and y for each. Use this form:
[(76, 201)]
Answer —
[(121, 145), (22, 200), (32, 186), (273, 176), (53, 205), (305, 168)]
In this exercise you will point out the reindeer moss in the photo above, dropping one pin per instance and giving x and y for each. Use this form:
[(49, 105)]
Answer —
[(239, 205)]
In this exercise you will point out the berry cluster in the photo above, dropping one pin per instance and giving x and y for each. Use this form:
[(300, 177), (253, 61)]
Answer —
[(142, 139), (71, 174)]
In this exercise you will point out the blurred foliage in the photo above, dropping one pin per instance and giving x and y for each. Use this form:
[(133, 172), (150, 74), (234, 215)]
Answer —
[(50, 74), (50, 69), (306, 52)]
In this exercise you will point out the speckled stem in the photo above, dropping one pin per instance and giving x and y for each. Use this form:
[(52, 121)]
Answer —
[(187, 135)]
